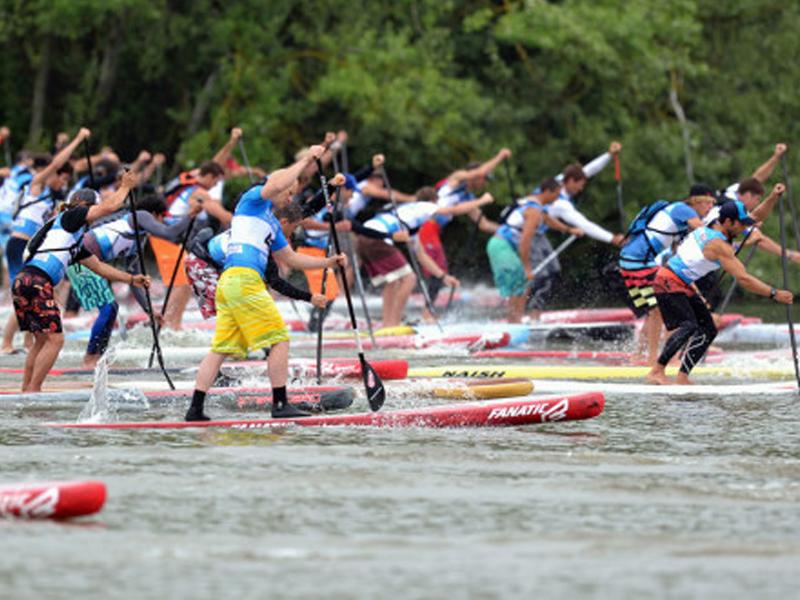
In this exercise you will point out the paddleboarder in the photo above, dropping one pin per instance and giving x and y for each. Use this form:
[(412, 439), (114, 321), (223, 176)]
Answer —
[(686, 314), (247, 318), (50, 251)]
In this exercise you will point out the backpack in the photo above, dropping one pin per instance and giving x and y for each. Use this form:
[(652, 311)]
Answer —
[(640, 221), (174, 187)]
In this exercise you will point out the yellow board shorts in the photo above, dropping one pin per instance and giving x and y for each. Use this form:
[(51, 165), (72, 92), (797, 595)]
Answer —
[(166, 257), (247, 318), (314, 276)]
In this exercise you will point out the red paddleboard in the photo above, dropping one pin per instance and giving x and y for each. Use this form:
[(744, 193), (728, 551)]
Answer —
[(52, 500), (587, 315), (475, 414), (333, 367), (308, 398), (470, 341)]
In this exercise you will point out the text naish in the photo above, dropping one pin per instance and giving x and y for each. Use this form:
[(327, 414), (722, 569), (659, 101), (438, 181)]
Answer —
[(490, 374)]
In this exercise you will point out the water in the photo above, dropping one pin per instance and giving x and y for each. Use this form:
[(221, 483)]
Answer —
[(657, 497)]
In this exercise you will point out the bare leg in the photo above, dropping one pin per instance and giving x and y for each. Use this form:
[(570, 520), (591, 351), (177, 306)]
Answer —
[(177, 305), (208, 370), (30, 362), (8, 333), (45, 359), (516, 308), (278, 364)]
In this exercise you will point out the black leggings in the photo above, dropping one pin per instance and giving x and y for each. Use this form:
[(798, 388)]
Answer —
[(692, 322)]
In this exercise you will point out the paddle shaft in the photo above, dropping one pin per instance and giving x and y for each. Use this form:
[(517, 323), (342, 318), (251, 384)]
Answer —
[(789, 316), (7, 152), (372, 382), (148, 301), (411, 254), (620, 205), (791, 201), (244, 158), (171, 284), (89, 162), (554, 254)]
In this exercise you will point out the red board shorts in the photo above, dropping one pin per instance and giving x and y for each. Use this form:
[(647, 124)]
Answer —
[(34, 304)]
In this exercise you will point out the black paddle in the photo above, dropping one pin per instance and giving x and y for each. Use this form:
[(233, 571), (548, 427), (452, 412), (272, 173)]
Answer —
[(411, 254), (791, 200), (789, 317), (620, 205), (170, 286), (376, 393), (149, 303), (246, 162)]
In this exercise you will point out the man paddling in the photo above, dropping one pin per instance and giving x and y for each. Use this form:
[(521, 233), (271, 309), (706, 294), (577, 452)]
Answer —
[(685, 312), (247, 318)]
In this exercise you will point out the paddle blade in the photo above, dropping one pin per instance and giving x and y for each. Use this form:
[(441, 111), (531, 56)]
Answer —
[(376, 393)]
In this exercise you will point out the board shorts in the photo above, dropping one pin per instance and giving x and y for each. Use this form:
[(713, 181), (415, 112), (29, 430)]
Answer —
[(507, 268), (384, 262), (640, 296), (166, 257), (430, 236), (677, 301), (91, 289), (247, 317), (314, 276), (34, 303), (203, 278)]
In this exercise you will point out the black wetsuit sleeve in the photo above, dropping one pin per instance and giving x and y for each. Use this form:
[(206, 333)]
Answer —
[(171, 233), (74, 218), (317, 201), (280, 285), (364, 172)]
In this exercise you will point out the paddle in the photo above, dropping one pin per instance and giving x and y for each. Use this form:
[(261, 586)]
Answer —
[(789, 317), (88, 162), (148, 303), (554, 254), (376, 393), (246, 162), (320, 312), (351, 251), (791, 200), (620, 206), (7, 151), (411, 254), (171, 283)]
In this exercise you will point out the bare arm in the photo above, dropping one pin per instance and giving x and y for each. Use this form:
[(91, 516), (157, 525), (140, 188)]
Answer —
[(761, 212), (59, 160), (376, 191), (280, 180), (304, 263), (430, 265), (465, 207), (533, 220), (486, 168), (764, 172), (721, 251), (115, 201), (224, 153), (108, 272), (212, 207)]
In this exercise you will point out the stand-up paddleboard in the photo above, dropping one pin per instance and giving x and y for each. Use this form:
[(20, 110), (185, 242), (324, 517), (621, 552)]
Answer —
[(331, 367), (591, 372), (484, 388), (52, 500), (604, 332), (136, 396), (598, 355), (588, 315), (773, 334), (468, 341), (496, 413), (519, 333), (644, 390), (314, 399)]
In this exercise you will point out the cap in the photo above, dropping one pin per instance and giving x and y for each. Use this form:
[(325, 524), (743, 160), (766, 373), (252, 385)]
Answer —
[(736, 211), (87, 195), (350, 182), (701, 189)]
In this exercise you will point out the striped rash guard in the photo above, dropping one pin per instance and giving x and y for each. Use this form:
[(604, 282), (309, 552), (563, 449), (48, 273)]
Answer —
[(255, 232), (689, 264)]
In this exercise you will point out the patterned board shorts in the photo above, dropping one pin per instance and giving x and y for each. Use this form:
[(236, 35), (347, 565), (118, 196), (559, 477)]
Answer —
[(641, 297), (34, 304), (204, 278), (384, 263), (247, 318)]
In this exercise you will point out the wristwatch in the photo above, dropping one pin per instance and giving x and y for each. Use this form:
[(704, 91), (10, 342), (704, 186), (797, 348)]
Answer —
[(772, 293)]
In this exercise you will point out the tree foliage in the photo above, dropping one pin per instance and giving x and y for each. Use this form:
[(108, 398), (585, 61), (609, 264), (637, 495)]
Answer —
[(433, 84)]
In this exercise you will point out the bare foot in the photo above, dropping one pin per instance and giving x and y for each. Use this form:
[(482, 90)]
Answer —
[(683, 379), (658, 379)]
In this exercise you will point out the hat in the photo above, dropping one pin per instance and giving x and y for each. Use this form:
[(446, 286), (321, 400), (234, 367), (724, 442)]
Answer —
[(701, 189), (83, 195), (735, 211), (350, 182)]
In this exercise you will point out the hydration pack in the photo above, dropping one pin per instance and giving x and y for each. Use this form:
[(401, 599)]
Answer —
[(640, 221)]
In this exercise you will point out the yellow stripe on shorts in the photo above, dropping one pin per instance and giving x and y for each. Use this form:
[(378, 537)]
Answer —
[(247, 318)]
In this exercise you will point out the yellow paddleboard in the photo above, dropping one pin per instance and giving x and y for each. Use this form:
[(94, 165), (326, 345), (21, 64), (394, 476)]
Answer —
[(486, 388), (396, 330), (588, 372)]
